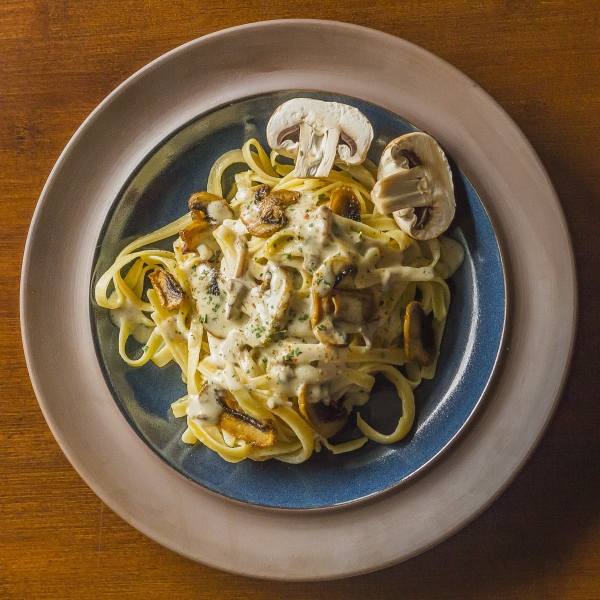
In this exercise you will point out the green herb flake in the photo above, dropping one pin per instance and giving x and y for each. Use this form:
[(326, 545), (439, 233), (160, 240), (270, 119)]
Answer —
[(292, 354)]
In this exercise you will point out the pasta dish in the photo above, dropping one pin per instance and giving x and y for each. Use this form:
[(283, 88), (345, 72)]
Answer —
[(285, 295)]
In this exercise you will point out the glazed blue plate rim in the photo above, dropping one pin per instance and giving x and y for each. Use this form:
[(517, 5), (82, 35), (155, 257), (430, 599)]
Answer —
[(284, 500)]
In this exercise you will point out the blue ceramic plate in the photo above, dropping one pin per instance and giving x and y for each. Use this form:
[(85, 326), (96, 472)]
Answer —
[(157, 193)]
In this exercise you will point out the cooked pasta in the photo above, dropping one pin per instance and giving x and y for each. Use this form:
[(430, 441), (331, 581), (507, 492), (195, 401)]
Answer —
[(280, 302)]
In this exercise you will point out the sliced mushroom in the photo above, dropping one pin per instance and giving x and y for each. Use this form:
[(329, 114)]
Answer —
[(419, 337), (207, 211), (169, 292), (415, 185), (212, 207), (343, 202), (192, 235), (342, 312), (352, 306), (316, 132), (337, 271), (284, 197), (326, 418), (244, 427), (241, 245), (332, 274), (265, 214)]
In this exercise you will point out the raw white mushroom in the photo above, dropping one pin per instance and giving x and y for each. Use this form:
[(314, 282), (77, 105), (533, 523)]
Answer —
[(414, 183), (316, 132)]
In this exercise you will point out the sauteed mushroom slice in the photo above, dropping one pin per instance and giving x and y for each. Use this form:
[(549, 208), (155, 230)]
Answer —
[(169, 292), (265, 214), (244, 427), (419, 337), (334, 273), (191, 236), (343, 202), (207, 211), (285, 197), (207, 206), (326, 419), (325, 329), (338, 271)]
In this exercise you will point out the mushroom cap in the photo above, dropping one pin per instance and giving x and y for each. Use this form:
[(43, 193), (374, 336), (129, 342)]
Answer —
[(419, 337), (343, 202), (414, 183), (324, 123), (326, 419)]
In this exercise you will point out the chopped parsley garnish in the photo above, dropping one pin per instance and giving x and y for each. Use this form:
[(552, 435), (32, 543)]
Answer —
[(292, 354), (303, 317)]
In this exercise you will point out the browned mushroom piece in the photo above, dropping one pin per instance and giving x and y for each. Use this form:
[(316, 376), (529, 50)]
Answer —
[(244, 427), (169, 292), (285, 197), (343, 202), (265, 215), (200, 201), (209, 207), (326, 419), (261, 193), (191, 236), (327, 333), (334, 273), (419, 337)]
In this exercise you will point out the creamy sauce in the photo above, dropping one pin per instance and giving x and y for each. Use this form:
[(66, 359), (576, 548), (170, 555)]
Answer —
[(204, 406), (257, 314), (140, 330), (173, 329), (218, 211)]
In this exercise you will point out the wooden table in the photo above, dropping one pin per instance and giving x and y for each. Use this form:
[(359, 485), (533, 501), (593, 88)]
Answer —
[(539, 60)]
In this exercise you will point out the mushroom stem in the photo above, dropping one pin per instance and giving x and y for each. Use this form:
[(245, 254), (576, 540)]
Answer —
[(327, 154), (404, 189)]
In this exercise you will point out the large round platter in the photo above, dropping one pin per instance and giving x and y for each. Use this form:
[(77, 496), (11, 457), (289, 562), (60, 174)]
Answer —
[(99, 161)]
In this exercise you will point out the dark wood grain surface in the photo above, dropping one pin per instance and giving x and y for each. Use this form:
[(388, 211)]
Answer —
[(539, 60)]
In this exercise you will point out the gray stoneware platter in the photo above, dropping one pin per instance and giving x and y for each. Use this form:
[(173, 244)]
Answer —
[(533, 347)]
